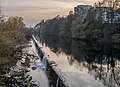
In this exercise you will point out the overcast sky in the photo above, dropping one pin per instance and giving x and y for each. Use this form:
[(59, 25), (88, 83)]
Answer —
[(35, 10)]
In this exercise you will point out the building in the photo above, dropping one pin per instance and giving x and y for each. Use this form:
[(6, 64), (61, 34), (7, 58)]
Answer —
[(82, 11), (104, 14), (108, 17), (108, 11), (116, 22)]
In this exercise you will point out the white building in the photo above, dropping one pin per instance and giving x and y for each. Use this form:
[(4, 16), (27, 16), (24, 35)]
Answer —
[(107, 15), (104, 14), (82, 10)]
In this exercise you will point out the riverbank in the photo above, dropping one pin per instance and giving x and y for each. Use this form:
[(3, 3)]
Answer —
[(35, 71), (25, 72)]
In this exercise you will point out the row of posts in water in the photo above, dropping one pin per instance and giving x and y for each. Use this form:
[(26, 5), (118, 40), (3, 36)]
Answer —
[(55, 77)]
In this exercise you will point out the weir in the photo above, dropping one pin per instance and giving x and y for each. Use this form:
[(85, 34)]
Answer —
[(55, 77)]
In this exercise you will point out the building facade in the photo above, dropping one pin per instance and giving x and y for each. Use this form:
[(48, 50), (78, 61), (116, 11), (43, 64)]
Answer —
[(82, 11), (104, 14), (108, 16)]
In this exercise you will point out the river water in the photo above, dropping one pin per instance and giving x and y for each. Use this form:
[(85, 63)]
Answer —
[(84, 64)]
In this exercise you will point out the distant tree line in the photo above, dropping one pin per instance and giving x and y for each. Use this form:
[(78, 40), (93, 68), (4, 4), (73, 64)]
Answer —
[(72, 26)]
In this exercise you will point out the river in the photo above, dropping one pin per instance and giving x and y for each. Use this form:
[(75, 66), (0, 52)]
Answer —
[(84, 64)]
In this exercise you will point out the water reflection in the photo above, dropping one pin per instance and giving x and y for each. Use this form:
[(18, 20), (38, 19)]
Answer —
[(101, 60)]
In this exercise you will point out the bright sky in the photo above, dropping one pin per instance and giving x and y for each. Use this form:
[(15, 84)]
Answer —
[(35, 10)]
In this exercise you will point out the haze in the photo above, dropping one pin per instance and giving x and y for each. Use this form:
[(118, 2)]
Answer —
[(35, 10)]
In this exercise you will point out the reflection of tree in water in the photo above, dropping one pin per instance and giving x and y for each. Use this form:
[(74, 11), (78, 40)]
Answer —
[(102, 61), (110, 76), (58, 44)]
